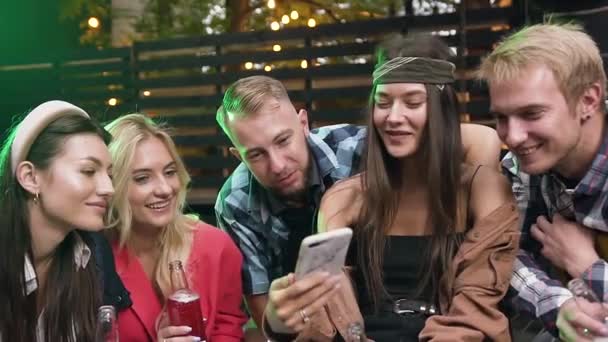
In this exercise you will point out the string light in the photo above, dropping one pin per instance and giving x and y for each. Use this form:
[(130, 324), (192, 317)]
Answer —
[(304, 64), (276, 48), (93, 22), (147, 93), (294, 15), (112, 102), (271, 4), (285, 19), (267, 68), (248, 65), (275, 26), (312, 22)]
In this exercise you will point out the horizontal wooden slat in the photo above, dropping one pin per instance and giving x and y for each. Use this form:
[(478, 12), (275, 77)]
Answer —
[(208, 181), (201, 140), (256, 56), (314, 72), (99, 81), (101, 95), (96, 68), (203, 120), (479, 108), (92, 53), (211, 162), (183, 101)]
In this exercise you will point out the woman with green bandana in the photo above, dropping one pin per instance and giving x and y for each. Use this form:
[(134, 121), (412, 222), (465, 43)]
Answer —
[(434, 238)]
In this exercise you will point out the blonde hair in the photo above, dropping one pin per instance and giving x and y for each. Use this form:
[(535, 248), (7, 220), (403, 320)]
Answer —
[(174, 241), (246, 96), (566, 49)]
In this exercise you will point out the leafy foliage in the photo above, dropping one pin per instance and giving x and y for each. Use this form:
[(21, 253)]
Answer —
[(83, 10), (174, 18)]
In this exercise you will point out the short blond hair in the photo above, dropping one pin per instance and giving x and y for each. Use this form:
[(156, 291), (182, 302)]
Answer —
[(246, 96), (566, 49), (127, 132)]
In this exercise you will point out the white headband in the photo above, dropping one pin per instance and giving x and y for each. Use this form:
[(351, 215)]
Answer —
[(37, 120)]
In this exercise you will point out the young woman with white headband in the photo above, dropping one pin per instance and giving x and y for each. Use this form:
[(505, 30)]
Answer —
[(55, 186), (434, 238)]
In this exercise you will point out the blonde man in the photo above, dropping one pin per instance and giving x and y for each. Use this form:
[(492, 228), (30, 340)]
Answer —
[(269, 203), (547, 88)]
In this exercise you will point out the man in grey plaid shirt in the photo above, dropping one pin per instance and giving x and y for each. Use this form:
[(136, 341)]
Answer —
[(269, 203), (547, 88)]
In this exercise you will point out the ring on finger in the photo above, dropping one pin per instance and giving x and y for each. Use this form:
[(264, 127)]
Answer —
[(585, 331), (304, 316)]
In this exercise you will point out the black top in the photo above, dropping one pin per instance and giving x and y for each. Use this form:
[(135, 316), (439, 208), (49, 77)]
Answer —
[(114, 291), (300, 222), (404, 263)]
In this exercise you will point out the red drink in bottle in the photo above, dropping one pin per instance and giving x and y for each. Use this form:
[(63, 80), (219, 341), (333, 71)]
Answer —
[(184, 308), (184, 305)]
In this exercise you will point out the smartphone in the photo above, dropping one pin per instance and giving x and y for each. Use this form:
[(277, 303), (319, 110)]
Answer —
[(323, 252)]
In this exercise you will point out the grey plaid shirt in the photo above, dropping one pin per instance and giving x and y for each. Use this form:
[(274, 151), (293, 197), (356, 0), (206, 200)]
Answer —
[(536, 289), (244, 208)]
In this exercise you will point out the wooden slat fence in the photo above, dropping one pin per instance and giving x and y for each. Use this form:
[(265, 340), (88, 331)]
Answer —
[(182, 80)]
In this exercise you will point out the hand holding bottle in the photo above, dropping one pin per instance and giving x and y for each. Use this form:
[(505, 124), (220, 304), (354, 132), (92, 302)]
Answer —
[(176, 334), (172, 333), (107, 326), (583, 317), (182, 319)]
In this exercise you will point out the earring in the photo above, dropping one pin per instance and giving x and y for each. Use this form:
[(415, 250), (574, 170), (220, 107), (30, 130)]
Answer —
[(585, 117), (36, 198)]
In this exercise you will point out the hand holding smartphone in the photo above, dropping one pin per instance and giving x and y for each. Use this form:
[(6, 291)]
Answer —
[(320, 252), (323, 252)]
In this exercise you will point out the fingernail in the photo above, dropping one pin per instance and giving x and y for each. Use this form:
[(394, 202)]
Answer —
[(189, 329), (196, 339)]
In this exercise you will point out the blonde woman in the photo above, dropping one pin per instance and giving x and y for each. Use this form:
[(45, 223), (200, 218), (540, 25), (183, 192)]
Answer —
[(151, 230)]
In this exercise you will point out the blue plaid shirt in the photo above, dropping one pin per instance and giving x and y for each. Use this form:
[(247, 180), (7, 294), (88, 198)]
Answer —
[(537, 288), (244, 208)]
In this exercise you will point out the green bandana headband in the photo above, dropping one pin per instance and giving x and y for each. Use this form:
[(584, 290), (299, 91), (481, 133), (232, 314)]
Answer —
[(415, 70)]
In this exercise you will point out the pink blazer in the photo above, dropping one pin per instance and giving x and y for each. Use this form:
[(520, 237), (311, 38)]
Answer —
[(214, 272)]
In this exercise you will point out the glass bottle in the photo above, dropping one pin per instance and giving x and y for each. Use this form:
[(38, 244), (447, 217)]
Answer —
[(590, 303), (183, 305), (580, 289), (107, 326)]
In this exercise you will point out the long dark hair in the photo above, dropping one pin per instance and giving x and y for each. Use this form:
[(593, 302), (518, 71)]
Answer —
[(70, 297), (382, 177)]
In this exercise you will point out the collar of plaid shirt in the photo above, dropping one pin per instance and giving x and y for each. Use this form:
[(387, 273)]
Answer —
[(585, 202), (323, 160), (313, 188)]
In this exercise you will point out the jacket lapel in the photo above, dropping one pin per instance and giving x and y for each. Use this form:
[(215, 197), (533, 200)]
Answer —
[(146, 305)]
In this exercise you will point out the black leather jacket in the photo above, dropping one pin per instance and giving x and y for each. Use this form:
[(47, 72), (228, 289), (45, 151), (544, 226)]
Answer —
[(114, 291)]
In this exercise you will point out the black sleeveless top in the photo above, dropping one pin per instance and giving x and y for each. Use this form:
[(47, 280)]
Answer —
[(403, 263)]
